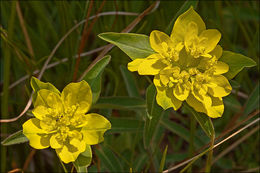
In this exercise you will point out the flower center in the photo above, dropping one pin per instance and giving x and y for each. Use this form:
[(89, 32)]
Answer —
[(63, 121), (171, 53)]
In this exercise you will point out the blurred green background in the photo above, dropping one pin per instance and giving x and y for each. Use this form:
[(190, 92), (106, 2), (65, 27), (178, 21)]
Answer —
[(47, 22)]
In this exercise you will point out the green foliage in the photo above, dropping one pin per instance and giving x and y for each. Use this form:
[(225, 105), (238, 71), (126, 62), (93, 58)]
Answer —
[(15, 138), (109, 159), (163, 159), (154, 113), (84, 160), (236, 63), (204, 121), (134, 45), (140, 129), (130, 82), (130, 103), (253, 101), (93, 77)]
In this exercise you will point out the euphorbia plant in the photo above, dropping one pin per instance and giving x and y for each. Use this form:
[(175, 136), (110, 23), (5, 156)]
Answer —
[(61, 121), (188, 66)]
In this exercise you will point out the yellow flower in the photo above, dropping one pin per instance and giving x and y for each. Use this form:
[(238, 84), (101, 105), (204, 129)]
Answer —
[(186, 66), (61, 121)]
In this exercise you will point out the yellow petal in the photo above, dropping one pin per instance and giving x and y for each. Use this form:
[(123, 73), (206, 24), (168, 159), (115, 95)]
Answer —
[(40, 112), (220, 68), (77, 94), (217, 52), (203, 97), (38, 138), (166, 99), (211, 39), (151, 65), (180, 27), (156, 81), (55, 142), (219, 86), (217, 108), (196, 104), (95, 127), (180, 92), (156, 40), (133, 66), (69, 153), (48, 99)]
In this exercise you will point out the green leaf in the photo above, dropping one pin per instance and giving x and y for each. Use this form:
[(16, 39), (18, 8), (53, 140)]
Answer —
[(179, 130), (129, 82), (163, 159), (38, 85), (236, 63), (231, 102), (83, 160), (96, 88), (120, 125), (120, 102), (134, 45), (186, 5), (140, 162), (154, 113), (15, 138), (93, 77), (203, 120), (109, 160), (253, 101)]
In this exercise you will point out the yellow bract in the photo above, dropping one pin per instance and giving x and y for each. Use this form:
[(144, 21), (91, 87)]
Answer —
[(186, 66), (61, 121)]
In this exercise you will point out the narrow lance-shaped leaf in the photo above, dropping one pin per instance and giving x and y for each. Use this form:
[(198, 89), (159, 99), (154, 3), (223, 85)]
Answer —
[(203, 120), (253, 101), (15, 138), (109, 160), (129, 82), (134, 45), (236, 63), (163, 159), (120, 125), (120, 103), (83, 160), (93, 77), (179, 130), (154, 113)]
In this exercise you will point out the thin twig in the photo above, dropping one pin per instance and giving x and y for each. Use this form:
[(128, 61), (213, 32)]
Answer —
[(55, 64), (232, 128), (26, 35), (84, 37), (16, 170), (109, 13), (240, 94), (45, 67), (216, 145), (126, 30), (231, 147), (28, 160)]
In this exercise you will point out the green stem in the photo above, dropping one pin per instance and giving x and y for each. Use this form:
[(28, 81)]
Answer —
[(192, 136), (6, 78), (210, 154), (63, 166)]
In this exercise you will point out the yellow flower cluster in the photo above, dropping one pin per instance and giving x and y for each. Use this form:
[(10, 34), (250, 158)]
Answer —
[(60, 121), (186, 66)]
